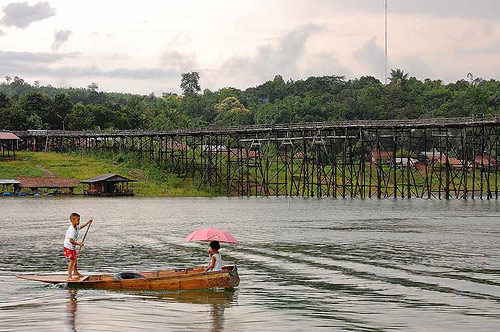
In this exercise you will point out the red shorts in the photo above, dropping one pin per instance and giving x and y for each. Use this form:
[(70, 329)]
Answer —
[(69, 253)]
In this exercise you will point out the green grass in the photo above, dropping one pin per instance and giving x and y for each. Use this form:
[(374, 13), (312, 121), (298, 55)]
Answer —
[(151, 180), (20, 167)]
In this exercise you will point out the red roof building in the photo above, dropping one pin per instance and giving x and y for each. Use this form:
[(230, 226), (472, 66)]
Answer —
[(485, 161), (8, 136), (383, 155)]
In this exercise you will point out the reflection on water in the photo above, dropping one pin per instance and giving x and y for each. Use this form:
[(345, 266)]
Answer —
[(360, 265), (217, 317), (71, 309), (217, 300)]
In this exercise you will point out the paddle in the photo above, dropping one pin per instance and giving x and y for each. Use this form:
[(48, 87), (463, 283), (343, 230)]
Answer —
[(84, 236)]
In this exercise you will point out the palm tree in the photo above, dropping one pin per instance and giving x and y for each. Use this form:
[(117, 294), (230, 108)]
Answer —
[(398, 77)]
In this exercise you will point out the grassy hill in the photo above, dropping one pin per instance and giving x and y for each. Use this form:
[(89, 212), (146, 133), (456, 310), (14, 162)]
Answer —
[(151, 180)]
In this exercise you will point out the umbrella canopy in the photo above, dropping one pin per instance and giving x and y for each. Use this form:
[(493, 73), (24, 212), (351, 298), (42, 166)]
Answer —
[(210, 234)]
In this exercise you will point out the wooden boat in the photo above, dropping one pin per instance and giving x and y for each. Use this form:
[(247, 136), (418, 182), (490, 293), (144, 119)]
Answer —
[(179, 279)]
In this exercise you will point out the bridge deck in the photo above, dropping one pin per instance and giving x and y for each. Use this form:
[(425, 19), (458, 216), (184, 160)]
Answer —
[(361, 124)]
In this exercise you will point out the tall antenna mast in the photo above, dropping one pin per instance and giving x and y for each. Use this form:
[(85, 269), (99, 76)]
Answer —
[(385, 49)]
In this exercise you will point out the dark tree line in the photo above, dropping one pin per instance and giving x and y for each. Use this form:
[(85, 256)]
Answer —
[(326, 98)]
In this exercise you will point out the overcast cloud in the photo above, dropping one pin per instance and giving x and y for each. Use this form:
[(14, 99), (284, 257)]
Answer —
[(60, 37), (22, 14), (487, 9), (22, 58), (148, 45), (283, 57)]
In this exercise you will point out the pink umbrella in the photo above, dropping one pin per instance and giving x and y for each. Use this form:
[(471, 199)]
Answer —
[(210, 234)]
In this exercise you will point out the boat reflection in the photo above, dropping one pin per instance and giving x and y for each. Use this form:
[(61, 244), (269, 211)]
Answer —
[(220, 297), (218, 300)]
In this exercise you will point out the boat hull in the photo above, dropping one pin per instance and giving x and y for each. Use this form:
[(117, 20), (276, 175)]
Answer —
[(180, 279)]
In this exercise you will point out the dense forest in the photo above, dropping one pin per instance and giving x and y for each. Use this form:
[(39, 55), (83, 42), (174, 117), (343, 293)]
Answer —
[(327, 98)]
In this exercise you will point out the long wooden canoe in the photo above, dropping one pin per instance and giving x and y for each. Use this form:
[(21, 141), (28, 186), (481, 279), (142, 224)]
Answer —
[(179, 279)]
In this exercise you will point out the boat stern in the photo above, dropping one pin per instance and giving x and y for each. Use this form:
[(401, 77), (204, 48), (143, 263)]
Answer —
[(234, 278)]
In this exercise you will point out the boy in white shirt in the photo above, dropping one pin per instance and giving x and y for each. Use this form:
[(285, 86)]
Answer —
[(70, 244)]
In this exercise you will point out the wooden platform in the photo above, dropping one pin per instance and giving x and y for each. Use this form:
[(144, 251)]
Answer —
[(53, 278)]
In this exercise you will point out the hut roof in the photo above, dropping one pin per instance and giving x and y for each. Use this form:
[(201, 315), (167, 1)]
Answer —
[(9, 181), (383, 154), (485, 159), (4, 135), (108, 178), (41, 182)]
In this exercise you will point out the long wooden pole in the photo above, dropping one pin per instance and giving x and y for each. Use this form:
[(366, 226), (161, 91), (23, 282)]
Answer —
[(84, 236)]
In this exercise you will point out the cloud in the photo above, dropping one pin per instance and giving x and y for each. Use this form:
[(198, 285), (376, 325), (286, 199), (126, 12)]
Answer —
[(283, 57), (46, 64), (93, 71), (21, 58), (483, 9), (2, 33), (493, 48), (325, 63), (122, 73), (371, 57), (415, 67), (487, 9), (21, 14), (175, 59), (60, 37)]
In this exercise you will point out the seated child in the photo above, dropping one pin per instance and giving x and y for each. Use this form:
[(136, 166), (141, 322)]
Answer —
[(215, 257), (70, 244)]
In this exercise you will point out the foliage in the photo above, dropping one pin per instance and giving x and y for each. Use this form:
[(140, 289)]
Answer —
[(398, 77), (190, 83), (326, 98), (230, 112)]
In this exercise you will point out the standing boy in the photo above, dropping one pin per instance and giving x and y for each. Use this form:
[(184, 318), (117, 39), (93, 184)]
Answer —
[(70, 243)]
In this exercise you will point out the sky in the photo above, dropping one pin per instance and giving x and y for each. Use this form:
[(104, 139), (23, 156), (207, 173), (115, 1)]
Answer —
[(144, 46)]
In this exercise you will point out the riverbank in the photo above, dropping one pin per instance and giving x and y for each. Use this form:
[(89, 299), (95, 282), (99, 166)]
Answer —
[(151, 180)]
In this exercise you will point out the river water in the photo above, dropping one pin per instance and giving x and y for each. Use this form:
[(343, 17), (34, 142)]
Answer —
[(304, 264)]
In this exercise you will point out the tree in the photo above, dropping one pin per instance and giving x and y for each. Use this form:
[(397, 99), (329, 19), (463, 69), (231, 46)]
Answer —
[(475, 81), (93, 87), (35, 122), (36, 103), (19, 86), (398, 77), (4, 101), (230, 112), (190, 83), (135, 111), (81, 117), (13, 117), (60, 107)]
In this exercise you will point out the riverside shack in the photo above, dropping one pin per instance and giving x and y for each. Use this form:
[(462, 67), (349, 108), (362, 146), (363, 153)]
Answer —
[(8, 146), (109, 185), (57, 185), (9, 187)]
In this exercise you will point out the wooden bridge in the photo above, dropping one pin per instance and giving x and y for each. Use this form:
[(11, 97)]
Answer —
[(425, 158)]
